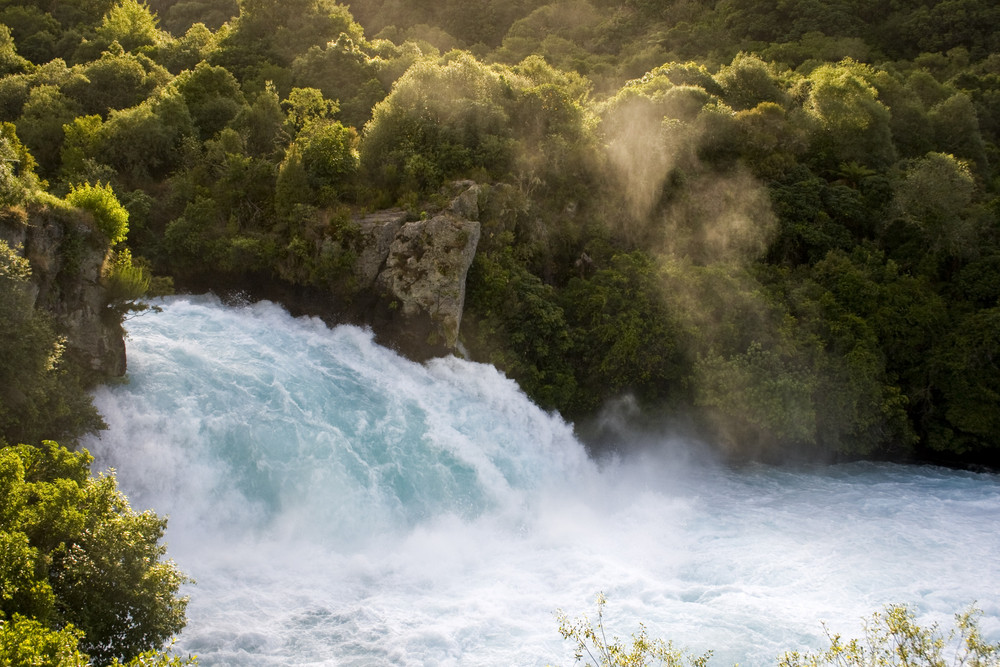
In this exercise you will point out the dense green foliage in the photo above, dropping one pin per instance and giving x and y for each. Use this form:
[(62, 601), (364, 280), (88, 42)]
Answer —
[(100, 201), (82, 575), (779, 221)]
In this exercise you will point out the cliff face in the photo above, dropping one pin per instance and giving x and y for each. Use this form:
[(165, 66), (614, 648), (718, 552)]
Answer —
[(409, 277), (67, 257), (415, 272)]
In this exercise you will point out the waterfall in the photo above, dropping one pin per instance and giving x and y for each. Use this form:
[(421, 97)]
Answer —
[(338, 504)]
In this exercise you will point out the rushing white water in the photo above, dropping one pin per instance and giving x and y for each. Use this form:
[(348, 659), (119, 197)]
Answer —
[(340, 505)]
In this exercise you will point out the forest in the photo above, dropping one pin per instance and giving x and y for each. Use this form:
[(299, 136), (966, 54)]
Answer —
[(771, 225)]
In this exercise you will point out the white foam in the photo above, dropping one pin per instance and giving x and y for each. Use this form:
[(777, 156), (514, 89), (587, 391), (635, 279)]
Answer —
[(340, 505)]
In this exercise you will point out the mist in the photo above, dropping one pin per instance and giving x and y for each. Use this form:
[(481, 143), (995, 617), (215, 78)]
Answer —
[(337, 503)]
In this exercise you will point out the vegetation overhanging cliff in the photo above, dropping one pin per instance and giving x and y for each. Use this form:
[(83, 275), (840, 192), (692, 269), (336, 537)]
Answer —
[(778, 225)]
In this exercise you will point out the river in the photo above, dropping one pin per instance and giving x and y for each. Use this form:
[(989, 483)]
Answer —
[(340, 505)]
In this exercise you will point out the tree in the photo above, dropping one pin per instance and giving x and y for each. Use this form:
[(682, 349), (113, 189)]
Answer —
[(555, 135), (769, 142), (79, 13), (82, 143), (262, 124), (101, 560), (179, 17), (935, 196), (10, 61), (853, 123), (747, 82), (308, 105), (955, 127), (874, 327), (343, 71), (269, 34), (116, 81), (625, 339), (144, 141), (131, 24), (17, 170), (443, 120), (212, 95), (965, 372), (35, 31), (41, 124), (329, 155), (185, 52), (516, 323), (292, 187)]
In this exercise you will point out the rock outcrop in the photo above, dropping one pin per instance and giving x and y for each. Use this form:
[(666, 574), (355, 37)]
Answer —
[(67, 257), (378, 231), (401, 274), (416, 271)]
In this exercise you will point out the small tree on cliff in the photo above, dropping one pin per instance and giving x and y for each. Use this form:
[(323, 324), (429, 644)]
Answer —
[(101, 202)]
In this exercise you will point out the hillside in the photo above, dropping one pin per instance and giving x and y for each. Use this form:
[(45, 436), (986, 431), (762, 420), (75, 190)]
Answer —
[(775, 227)]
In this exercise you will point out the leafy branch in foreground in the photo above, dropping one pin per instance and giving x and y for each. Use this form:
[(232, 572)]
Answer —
[(591, 640), (893, 639)]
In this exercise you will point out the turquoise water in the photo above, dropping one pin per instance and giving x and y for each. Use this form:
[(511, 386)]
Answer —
[(338, 504)]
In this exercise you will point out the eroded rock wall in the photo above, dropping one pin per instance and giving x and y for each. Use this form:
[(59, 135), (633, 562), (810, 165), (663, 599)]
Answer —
[(67, 257)]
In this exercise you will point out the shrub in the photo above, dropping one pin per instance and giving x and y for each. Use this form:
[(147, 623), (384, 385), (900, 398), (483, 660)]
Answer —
[(126, 281), (100, 201), (97, 564), (893, 639), (591, 639)]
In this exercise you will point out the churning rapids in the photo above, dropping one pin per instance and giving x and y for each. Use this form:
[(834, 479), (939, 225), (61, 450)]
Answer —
[(338, 504)]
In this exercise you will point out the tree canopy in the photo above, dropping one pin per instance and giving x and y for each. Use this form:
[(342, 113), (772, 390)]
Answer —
[(768, 219), (83, 575)]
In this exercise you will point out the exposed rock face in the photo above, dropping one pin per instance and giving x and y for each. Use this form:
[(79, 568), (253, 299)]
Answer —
[(67, 257), (378, 231), (417, 270), (426, 268)]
